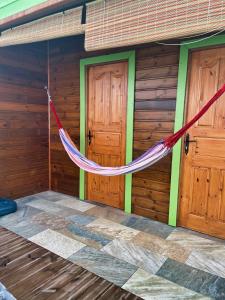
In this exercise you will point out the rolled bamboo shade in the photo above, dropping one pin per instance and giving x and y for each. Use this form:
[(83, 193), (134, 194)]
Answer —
[(115, 23), (55, 26)]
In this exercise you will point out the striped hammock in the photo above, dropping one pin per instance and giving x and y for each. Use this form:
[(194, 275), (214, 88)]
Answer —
[(151, 156)]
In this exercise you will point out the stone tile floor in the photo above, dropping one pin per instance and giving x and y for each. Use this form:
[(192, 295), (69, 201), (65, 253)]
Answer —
[(148, 258)]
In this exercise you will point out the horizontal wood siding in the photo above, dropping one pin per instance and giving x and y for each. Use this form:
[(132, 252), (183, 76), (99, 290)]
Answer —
[(155, 100), (23, 121), (65, 89), (64, 63)]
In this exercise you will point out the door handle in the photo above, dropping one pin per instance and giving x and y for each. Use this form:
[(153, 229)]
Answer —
[(90, 136), (187, 141)]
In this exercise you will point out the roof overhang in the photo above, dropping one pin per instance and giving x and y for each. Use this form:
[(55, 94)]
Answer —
[(39, 11)]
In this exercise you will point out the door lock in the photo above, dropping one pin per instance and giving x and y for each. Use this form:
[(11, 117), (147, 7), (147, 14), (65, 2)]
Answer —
[(90, 136), (187, 141)]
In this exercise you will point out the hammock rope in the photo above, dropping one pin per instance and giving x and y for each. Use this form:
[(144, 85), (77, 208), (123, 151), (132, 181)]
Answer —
[(150, 157)]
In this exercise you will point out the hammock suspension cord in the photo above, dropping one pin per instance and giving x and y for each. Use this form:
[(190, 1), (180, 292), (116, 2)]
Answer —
[(151, 156)]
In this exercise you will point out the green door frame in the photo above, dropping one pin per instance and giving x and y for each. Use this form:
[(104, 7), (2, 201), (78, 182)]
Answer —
[(179, 117), (84, 63)]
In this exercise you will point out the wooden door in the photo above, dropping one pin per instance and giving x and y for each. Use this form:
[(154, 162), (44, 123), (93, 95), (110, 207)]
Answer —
[(106, 125), (202, 195)]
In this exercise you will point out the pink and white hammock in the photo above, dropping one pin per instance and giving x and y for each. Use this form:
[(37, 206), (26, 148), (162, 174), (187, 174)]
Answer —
[(151, 156)]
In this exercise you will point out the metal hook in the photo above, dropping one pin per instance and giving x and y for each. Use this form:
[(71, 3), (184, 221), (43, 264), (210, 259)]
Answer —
[(48, 93)]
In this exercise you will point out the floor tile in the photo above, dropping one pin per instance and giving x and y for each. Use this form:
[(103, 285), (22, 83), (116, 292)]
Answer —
[(213, 263), (152, 287), (25, 200), (87, 241), (202, 235), (50, 221), (136, 255), (149, 226), (112, 229), (192, 278), (194, 242), (75, 204), (47, 193), (57, 243), (81, 219), (52, 196), (45, 205), (109, 213), (104, 265), (161, 246), (23, 213), (26, 228), (87, 234), (66, 211), (52, 208)]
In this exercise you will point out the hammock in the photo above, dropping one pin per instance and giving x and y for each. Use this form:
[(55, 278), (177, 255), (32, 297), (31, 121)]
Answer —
[(151, 156)]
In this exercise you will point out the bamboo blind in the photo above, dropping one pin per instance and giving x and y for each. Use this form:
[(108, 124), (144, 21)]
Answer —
[(58, 25), (114, 23)]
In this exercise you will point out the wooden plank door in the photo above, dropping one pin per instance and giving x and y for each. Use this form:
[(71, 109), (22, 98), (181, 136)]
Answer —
[(106, 127), (202, 195)]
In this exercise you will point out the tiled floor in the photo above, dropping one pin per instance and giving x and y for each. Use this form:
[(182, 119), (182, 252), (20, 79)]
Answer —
[(148, 258)]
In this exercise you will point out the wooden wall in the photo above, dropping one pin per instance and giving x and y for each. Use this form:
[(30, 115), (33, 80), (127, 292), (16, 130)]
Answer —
[(64, 85), (23, 121), (64, 62), (156, 80), (155, 100)]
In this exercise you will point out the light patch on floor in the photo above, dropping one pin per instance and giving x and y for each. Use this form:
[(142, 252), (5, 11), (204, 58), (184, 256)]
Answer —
[(136, 255), (75, 204), (194, 242), (46, 205), (57, 243), (213, 263), (113, 229)]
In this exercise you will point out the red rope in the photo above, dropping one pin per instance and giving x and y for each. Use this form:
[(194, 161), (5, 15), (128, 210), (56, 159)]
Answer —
[(171, 140), (59, 124)]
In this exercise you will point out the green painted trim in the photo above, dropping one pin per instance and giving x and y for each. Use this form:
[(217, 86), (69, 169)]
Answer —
[(107, 58), (179, 118), (130, 129), (6, 2), (130, 57), (213, 41), (9, 8), (82, 124), (179, 115)]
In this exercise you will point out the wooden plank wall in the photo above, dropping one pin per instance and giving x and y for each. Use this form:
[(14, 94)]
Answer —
[(156, 80), (64, 85), (64, 63), (155, 100), (23, 121)]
